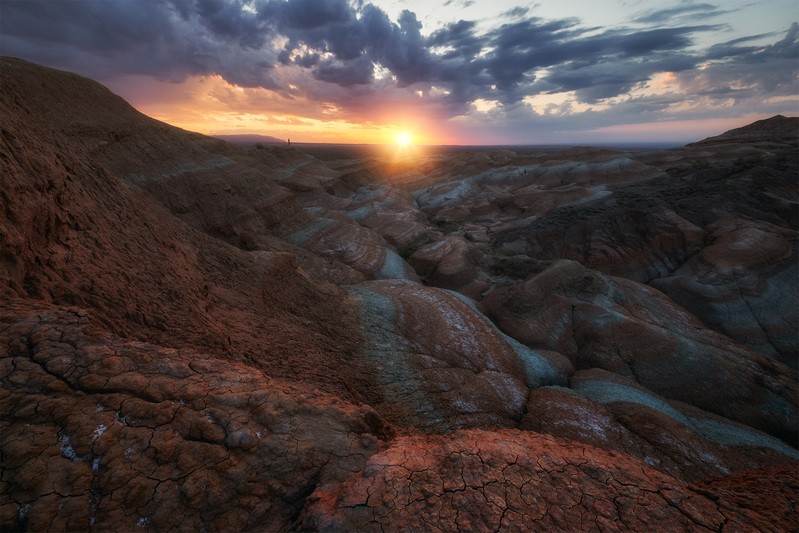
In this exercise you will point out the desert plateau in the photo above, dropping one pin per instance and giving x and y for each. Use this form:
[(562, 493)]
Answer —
[(202, 336)]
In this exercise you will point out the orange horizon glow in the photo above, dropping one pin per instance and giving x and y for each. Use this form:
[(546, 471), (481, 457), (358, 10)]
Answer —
[(308, 131), (212, 106)]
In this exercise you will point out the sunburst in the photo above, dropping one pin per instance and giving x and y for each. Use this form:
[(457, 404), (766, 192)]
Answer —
[(403, 139)]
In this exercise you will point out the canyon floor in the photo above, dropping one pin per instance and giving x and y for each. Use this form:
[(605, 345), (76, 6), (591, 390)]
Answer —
[(202, 336)]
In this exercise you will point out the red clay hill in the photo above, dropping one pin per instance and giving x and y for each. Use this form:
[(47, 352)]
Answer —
[(201, 336)]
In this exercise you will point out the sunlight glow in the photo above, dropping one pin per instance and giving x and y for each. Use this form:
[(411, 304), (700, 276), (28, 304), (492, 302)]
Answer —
[(403, 138)]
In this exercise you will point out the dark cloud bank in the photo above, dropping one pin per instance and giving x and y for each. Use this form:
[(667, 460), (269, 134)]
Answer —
[(352, 44)]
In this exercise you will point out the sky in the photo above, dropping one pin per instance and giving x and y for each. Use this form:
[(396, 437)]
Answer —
[(471, 72)]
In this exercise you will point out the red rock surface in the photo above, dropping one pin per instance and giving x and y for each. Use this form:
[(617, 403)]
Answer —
[(517, 481), (188, 339), (100, 433), (75, 234), (750, 492)]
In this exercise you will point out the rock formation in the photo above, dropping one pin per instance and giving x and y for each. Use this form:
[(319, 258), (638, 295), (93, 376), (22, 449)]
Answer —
[(203, 336)]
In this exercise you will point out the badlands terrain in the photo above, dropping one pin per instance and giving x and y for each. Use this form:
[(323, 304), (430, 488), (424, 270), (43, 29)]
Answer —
[(202, 336)]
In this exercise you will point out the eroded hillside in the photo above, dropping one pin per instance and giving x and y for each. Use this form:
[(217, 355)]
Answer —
[(203, 336)]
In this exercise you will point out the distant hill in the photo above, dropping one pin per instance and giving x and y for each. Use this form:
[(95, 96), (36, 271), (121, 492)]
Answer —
[(777, 129), (250, 139)]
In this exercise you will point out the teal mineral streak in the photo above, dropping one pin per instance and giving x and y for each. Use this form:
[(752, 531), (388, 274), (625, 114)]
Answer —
[(521, 173), (539, 371), (386, 349), (302, 236), (361, 212), (426, 198), (731, 435), (735, 316), (365, 210), (606, 392), (713, 430), (524, 174), (394, 267), (368, 194)]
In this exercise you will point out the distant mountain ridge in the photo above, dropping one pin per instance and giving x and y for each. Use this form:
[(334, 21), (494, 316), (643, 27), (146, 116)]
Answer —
[(250, 138), (779, 129)]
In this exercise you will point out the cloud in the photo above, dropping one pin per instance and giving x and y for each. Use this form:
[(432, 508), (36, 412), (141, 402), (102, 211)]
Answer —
[(351, 55), (761, 80), (517, 12), (308, 14), (600, 65), (747, 72), (227, 21), (680, 13), (345, 73), (459, 3), (460, 37), (166, 40)]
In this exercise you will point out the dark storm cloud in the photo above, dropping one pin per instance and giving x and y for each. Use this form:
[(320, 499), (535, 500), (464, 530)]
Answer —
[(406, 54), (607, 79), (250, 43), (345, 73), (755, 71), (91, 26), (521, 47), (167, 40), (228, 21), (600, 65), (322, 25), (460, 37), (400, 46), (308, 14), (644, 43), (784, 48)]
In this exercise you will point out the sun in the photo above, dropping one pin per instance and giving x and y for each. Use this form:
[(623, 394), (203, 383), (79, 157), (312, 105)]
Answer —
[(403, 138)]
